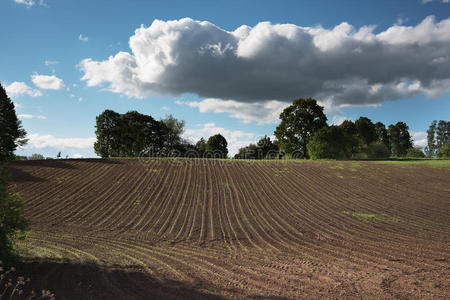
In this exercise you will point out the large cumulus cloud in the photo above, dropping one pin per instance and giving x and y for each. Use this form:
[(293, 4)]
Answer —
[(268, 62)]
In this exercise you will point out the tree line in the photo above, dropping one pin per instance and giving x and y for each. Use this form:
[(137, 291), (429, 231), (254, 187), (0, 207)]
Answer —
[(302, 133), (134, 134)]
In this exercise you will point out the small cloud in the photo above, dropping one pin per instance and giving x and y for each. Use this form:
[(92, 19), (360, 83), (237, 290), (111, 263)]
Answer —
[(27, 3), (72, 96), (17, 89), (29, 116), (80, 99), (165, 108), (76, 155), (401, 21), (47, 82), (419, 138), (39, 141), (25, 116), (267, 112), (337, 120), (83, 38), (51, 62), (17, 105)]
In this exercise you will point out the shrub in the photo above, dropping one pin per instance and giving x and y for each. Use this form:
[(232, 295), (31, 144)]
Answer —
[(444, 152), (328, 142), (12, 221), (415, 153), (377, 150)]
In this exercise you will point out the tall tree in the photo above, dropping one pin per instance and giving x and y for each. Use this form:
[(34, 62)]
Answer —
[(352, 141), (267, 148), (299, 122), (107, 129), (442, 134), (172, 129), (381, 134), (200, 147), (366, 130), (430, 149), (12, 134), (399, 139), (217, 146)]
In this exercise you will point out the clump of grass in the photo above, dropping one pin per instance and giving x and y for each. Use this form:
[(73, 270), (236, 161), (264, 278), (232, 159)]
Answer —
[(366, 217), (12, 286)]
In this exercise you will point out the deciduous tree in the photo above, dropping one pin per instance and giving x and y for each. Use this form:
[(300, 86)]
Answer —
[(299, 122)]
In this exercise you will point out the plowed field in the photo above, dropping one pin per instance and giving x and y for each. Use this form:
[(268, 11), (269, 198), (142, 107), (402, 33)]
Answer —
[(181, 229)]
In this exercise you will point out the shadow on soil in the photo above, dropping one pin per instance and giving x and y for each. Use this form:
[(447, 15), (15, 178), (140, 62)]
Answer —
[(68, 280)]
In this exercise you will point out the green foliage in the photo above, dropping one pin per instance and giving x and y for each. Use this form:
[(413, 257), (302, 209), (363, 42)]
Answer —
[(200, 147), (172, 129), (442, 134), (351, 147), (217, 146), (299, 122), (365, 130), (377, 150), (399, 139), (328, 142), (381, 134), (263, 149), (430, 149), (127, 134), (444, 152), (12, 134), (12, 220), (438, 134), (415, 153)]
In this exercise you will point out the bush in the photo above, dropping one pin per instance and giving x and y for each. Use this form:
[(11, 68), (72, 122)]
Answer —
[(415, 153), (328, 142), (377, 150), (12, 221), (444, 152)]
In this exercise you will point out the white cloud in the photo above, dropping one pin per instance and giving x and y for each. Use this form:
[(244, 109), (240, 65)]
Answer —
[(235, 138), (80, 99), (428, 1), (29, 116), (17, 89), (343, 65), (25, 116), (77, 155), (51, 62), (83, 38), (267, 112), (47, 82), (17, 105), (27, 3), (39, 141), (419, 138), (164, 108), (337, 120)]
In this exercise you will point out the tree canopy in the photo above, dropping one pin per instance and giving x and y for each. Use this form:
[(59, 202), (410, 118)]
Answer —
[(12, 134), (299, 122), (217, 146)]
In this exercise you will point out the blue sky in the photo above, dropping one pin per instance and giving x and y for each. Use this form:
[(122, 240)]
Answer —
[(55, 63)]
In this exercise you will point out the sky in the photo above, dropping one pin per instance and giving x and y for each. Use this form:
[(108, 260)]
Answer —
[(226, 67)]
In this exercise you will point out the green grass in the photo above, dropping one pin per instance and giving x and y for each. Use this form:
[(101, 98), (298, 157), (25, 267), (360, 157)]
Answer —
[(367, 217), (437, 163)]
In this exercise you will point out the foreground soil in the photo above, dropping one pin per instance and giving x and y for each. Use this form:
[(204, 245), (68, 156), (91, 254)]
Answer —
[(182, 229)]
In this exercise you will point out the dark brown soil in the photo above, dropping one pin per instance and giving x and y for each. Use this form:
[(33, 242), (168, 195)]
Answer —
[(181, 229)]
